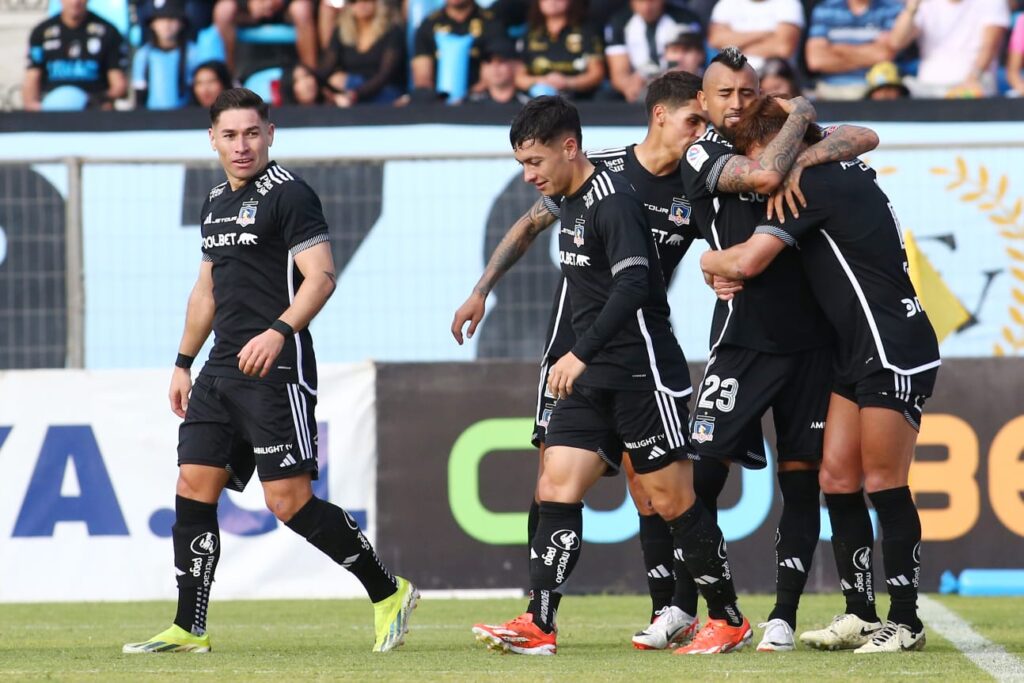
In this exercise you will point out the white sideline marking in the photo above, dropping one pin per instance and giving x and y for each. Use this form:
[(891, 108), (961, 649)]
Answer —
[(991, 658), (473, 593)]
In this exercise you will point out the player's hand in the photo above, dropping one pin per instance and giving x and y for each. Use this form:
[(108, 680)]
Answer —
[(472, 311), (726, 289), (798, 106), (557, 81), (788, 194), (563, 374), (258, 356), (181, 387)]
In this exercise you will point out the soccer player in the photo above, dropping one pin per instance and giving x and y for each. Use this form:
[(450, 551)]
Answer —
[(266, 271), (770, 343), (675, 120), (623, 383), (849, 243)]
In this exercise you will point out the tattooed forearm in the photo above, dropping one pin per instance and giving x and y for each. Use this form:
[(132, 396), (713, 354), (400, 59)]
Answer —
[(513, 245), (780, 153), (845, 143), (743, 174)]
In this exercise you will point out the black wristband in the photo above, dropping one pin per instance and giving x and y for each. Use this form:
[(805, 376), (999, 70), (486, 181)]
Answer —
[(282, 327), (184, 361)]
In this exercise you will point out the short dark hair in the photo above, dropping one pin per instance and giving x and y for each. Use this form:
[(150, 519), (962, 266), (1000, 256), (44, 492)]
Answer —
[(761, 121), (731, 57), (239, 98), (543, 119), (672, 89)]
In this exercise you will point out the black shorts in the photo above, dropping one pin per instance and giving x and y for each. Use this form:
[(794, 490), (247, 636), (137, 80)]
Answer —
[(738, 388), (649, 425), (545, 405), (244, 425), (905, 394)]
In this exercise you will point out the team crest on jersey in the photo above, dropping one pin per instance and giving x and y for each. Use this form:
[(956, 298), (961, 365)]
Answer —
[(577, 233), (679, 212), (703, 429), (247, 214)]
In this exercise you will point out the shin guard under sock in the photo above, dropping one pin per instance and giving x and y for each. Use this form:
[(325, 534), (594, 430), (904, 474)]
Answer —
[(852, 543), (196, 538), (901, 552), (656, 545), (795, 541), (556, 549), (703, 548)]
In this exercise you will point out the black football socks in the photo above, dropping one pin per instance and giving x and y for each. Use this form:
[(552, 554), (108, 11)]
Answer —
[(555, 551), (531, 522), (852, 543), (795, 541), (901, 552), (333, 531), (699, 540), (196, 538), (656, 545)]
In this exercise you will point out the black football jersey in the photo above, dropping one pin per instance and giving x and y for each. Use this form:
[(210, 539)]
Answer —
[(775, 312), (251, 235), (851, 247), (604, 236), (669, 218)]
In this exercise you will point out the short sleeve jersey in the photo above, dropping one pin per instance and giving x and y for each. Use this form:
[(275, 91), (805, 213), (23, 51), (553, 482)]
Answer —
[(567, 53), (79, 56), (669, 217), (604, 232), (833, 21), (481, 24), (252, 235), (775, 312), (627, 33), (851, 247)]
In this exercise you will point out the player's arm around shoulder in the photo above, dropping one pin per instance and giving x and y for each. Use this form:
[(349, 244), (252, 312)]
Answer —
[(746, 260)]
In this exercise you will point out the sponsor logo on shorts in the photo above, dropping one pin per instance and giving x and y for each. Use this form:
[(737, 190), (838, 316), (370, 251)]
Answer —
[(644, 443), (270, 450), (204, 544), (656, 452), (703, 429), (818, 424)]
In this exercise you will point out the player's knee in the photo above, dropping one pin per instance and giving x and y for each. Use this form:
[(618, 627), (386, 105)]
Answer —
[(284, 504), (671, 504), (882, 480), (832, 480), (553, 491), (301, 12)]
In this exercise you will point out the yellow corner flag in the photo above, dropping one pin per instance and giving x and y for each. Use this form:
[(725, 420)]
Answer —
[(944, 310)]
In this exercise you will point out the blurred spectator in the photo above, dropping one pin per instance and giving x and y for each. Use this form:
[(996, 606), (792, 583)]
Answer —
[(301, 85), (846, 38), (779, 79), (959, 42), (759, 28), (162, 69), (75, 48), (637, 39), (458, 18), (560, 53), (365, 61), (1015, 57), (884, 83), (198, 15), (498, 76), (327, 20), (686, 53), (229, 15), (209, 80)]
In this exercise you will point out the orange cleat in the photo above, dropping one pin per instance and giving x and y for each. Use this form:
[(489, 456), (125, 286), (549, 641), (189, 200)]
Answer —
[(717, 637), (521, 636)]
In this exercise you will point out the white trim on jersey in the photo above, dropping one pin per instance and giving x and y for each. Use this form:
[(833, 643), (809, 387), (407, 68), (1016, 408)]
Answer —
[(608, 153), (298, 405), (716, 204), (653, 363), (540, 387), (603, 185), (558, 319), (871, 318), (298, 342)]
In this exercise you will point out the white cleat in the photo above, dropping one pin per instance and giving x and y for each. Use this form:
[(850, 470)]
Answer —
[(778, 637), (846, 632), (893, 637), (671, 627)]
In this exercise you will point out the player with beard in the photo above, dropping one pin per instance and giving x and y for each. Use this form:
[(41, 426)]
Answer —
[(675, 120), (771, 346), (851, 248)]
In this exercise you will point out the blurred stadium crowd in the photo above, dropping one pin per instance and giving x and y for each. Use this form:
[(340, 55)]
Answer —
[(168, 54)]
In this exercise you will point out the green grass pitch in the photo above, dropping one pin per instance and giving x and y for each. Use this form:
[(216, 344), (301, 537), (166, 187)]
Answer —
[(330, 640)]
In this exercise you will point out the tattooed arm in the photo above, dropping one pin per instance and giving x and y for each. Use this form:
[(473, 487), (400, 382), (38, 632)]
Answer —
[(843, 143), (512, 246), (764, 175)]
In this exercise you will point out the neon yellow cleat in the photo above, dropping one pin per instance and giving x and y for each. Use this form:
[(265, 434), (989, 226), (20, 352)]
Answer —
[(174, 639), (391, 616)]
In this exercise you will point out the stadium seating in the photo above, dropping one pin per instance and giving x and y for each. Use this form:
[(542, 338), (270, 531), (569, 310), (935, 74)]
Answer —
[(262, 81)]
